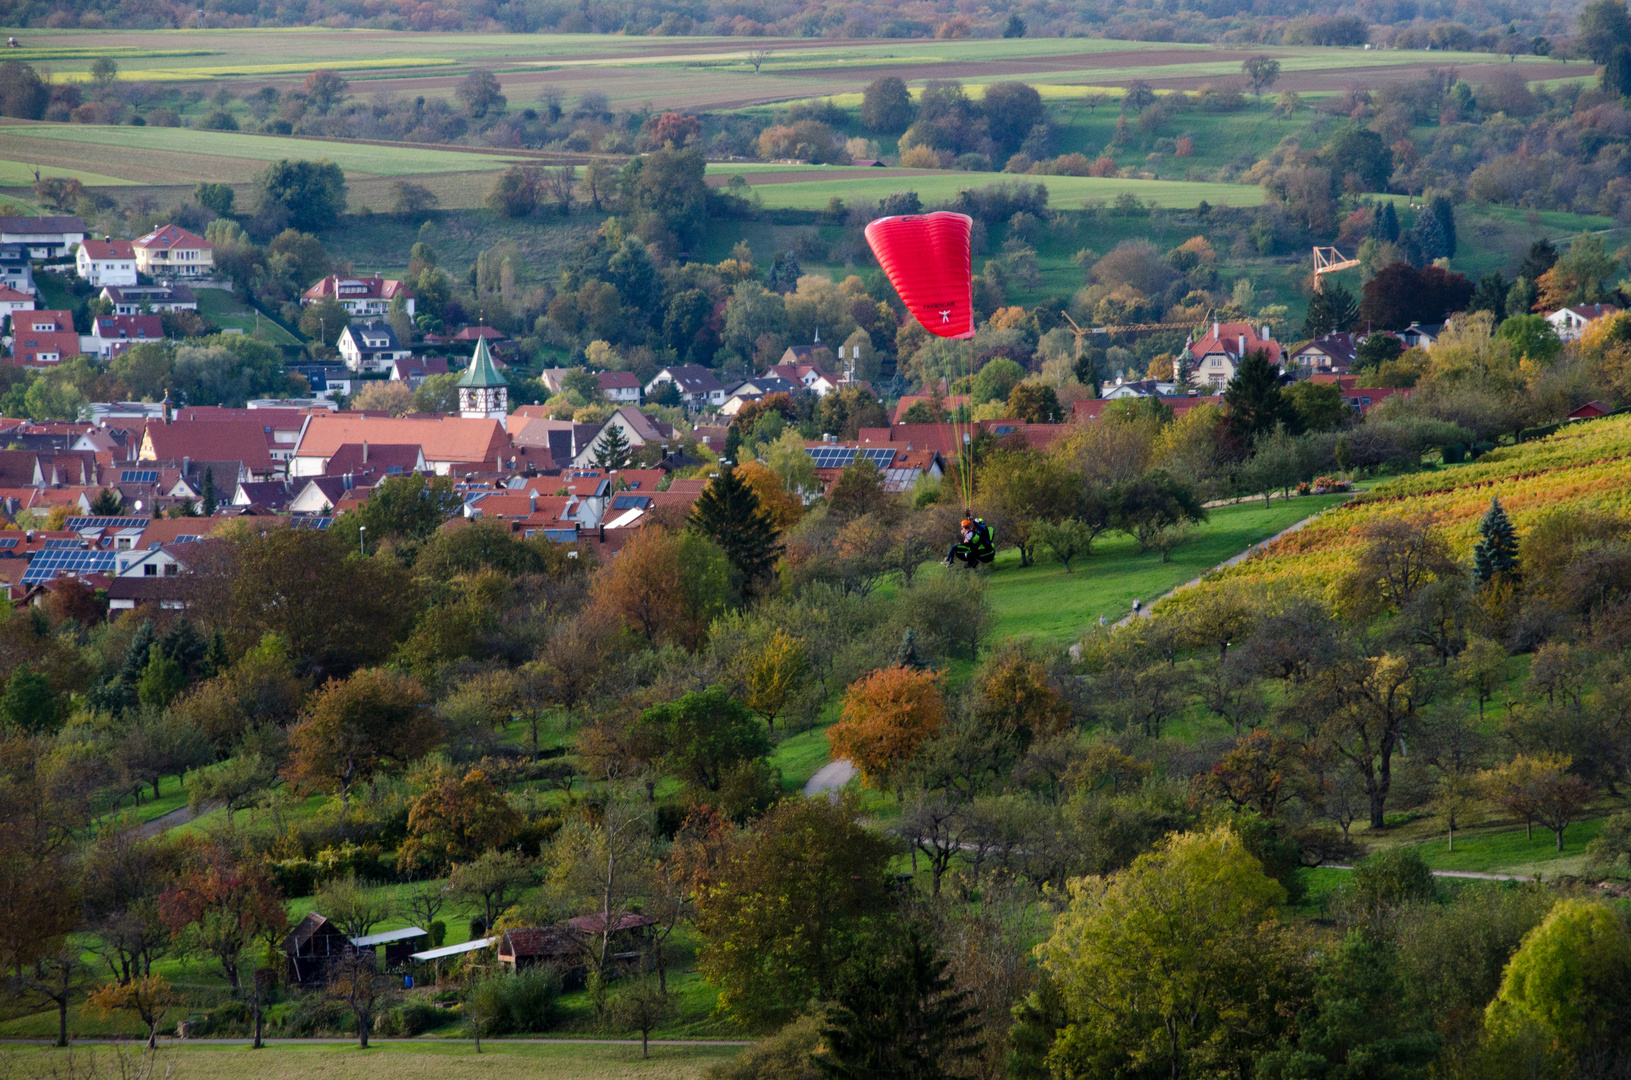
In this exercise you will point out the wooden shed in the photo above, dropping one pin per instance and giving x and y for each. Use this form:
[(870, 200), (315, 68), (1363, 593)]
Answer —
[(310, 948)]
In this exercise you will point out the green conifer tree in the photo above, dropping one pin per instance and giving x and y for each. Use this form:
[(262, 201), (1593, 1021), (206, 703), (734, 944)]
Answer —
[(613, 451), (209, 493), (1496, 552), (728, 513)]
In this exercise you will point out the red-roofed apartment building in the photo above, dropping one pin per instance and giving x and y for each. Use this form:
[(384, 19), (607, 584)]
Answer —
[(1215, 358), (107, 262), (360, 295), (171, 251), (12, 301)]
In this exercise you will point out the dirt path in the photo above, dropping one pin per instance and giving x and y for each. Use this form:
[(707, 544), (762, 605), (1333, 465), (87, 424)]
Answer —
[(1471, 874), (1144, 612), (178, 816), (830, 777)]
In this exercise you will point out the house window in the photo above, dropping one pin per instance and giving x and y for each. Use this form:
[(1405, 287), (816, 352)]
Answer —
[(150, 570)]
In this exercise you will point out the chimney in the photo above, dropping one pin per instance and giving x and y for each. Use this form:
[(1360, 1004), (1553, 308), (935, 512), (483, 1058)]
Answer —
[(602, 532), (1268, 334), (532, 502), (1215, 329), (1242, 346), (365, 451)]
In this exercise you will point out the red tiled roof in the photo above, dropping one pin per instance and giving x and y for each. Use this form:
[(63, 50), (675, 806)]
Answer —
[(358, 288), (1227, 338), (212, 440), (36, 322), (28, 346), (109, 249), (172, 236)]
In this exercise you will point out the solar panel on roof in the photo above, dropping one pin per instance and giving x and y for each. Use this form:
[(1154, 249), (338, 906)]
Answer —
[(139, 476), (311, 523), (79, 524), (63, 544), (8, 542), (561, 536), (841, 457), (632, 502), (51, 564)]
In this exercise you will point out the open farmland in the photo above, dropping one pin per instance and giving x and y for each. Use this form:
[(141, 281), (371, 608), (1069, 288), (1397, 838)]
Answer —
[(698, 73), (781, 191)]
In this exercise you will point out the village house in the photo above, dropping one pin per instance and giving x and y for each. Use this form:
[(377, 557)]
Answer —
[(106, 262), (136, 299), (112, 334), (12, 301), (43, 338), (449, 444), (619, 387), (17, 270), (1571, 322), (1214, 359), (1332, 354), (638, 429), (414, 370), (698, 387), (43, 237), (371, 346), (361, 296), (171, 251), (212, 440)]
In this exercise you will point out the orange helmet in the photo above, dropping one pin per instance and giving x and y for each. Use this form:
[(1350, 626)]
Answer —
[(968, 523)]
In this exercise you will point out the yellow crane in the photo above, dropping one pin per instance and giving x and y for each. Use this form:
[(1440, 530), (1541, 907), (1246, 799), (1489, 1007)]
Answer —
[(1328, 260)]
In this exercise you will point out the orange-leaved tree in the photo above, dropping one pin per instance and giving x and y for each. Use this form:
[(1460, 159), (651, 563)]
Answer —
[(887, 716), (375, 721), (148, 996), (778, 504)]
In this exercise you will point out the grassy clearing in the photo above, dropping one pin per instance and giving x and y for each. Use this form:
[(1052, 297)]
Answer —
[(225, 310), (1043, 601), (1064, 192), (500, 1060), (21, 174), (1501, 848)]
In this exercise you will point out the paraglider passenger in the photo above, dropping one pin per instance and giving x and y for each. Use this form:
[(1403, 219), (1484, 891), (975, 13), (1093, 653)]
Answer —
[(976, 546)]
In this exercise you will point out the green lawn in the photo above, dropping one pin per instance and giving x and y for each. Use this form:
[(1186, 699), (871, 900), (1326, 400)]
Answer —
[(1508, 850), (1043, 601), (225, 310)]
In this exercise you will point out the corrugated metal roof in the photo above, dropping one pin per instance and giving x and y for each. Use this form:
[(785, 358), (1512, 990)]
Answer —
[(453, 950), (388, 936)]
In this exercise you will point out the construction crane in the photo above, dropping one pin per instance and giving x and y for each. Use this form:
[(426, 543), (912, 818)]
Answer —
[(1328, 261), (1081, 332)]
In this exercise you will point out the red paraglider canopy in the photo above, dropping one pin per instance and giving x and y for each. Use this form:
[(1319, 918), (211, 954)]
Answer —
[(927, 259)]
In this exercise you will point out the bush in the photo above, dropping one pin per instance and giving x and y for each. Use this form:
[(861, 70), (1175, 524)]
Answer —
[(783, 1056), (295, 877), (413, 1018), (522, 1002)]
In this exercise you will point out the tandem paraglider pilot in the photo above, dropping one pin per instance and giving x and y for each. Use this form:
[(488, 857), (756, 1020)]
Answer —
[(976, 546)]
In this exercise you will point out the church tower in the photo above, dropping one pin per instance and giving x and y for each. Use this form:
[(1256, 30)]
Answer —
[(483, 393)]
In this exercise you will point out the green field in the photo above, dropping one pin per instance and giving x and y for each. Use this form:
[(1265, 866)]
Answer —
[(225, 310), (500, 1060), (1064, 192), (132, 142), (1045, 602)]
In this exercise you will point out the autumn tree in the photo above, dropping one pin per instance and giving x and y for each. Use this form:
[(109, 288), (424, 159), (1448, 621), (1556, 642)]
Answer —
[(775, 674), (375, 721), (779, 912), (887, 716), (456, 819), (225, 906), (148, 996), (1173, 966), (1400, 556), (1366, 705), (665, 585)]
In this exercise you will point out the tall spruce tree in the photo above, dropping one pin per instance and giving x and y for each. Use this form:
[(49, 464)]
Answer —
[(897, 1015), (1496, 552), (613, 451), (1254, 401), (728, 513), (208, 494)]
